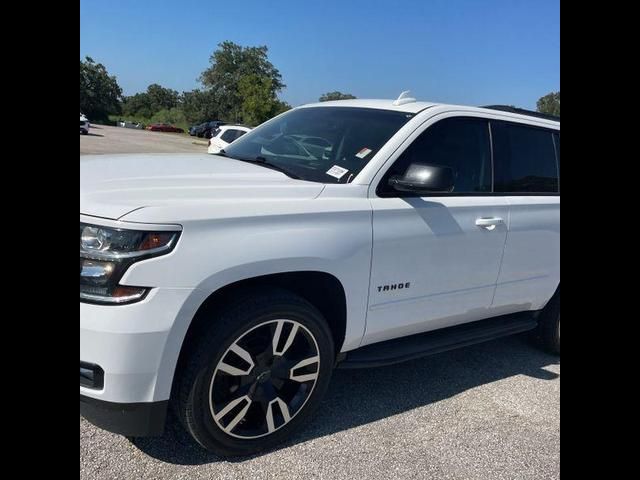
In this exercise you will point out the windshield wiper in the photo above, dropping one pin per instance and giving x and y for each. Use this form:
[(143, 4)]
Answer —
[(263, 161), (267, 164), (260, 161)]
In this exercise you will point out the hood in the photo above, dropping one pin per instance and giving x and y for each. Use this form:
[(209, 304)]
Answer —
[(113, 185)]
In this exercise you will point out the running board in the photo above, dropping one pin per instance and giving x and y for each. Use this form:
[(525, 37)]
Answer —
[(415, 346)]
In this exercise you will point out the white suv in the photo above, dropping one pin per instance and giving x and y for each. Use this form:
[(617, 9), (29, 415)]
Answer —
[(347, 234), (224, 135)]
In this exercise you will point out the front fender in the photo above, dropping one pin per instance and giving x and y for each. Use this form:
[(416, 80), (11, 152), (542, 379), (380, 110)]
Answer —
[(212, 256)]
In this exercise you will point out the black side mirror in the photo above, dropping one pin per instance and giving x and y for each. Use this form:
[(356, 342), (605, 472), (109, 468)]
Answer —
[(424, 178)]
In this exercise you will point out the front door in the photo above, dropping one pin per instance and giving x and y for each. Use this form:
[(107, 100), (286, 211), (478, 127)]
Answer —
[(436, 259)]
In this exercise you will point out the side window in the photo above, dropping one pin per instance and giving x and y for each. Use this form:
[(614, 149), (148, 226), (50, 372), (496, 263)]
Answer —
[(460, 143), (229, 135), (239, 133), (524, 159), (556, 138)]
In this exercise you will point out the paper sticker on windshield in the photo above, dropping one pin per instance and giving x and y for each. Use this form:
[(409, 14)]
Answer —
[(337, 172), (363, 153)]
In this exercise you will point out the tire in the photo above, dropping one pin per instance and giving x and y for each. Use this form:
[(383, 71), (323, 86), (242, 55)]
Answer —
[(237, 393), (548, 331)]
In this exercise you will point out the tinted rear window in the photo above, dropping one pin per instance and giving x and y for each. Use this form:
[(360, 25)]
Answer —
[(524, 159), (229, 136)]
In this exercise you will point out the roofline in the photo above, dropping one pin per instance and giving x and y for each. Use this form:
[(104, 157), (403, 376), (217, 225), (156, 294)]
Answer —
[(501, 115), (420, 106), (412, 107), (522, 111)]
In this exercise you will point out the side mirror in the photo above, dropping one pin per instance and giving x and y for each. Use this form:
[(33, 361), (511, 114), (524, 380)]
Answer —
[(424, 178)]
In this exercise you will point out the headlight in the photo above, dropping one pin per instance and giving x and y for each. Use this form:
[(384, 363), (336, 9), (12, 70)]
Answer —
[(107, 253)]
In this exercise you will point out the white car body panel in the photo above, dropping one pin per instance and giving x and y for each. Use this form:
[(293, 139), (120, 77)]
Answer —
[(111, 186), (241, 221), (134, 345), (452, 278), (530, 268)]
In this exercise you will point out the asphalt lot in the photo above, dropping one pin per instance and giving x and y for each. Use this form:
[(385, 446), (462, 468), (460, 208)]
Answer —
[(489, 411), (103, 139)]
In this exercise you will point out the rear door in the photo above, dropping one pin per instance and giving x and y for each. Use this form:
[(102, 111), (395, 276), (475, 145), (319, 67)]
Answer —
[(527, 175)]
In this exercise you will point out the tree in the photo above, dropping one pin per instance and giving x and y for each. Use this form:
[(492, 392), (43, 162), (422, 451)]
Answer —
[(162, 98), (280, 107), (240, 85), (200, 106), (549, 104), (335, 96), (259, 104), (148, 103), (230, 64), (174, 116), (138, 105), (99, 92)]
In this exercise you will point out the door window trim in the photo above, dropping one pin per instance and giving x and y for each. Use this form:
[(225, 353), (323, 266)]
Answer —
[(380, 175), (551, 132)]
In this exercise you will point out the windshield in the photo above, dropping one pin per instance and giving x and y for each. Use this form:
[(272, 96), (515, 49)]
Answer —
[(320, 144)]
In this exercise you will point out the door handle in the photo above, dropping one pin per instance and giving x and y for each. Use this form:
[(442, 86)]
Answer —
[(489, 223)]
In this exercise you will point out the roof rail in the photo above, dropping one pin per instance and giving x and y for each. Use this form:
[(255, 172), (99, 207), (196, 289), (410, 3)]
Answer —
[(522, 111)]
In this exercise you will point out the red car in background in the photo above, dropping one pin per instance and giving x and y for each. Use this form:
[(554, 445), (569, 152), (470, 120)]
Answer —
[(164, 127)]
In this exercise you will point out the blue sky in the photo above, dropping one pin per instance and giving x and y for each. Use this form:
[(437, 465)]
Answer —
[(458, 51)]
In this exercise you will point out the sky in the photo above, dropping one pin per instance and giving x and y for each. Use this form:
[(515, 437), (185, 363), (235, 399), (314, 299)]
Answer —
[(468, 52)]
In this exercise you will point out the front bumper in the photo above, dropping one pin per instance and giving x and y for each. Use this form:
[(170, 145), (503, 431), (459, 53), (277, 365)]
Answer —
[(129, 419), (128, 355), (136, 346)]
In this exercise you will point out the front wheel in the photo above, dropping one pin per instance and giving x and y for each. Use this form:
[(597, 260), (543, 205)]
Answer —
[(257, 373)]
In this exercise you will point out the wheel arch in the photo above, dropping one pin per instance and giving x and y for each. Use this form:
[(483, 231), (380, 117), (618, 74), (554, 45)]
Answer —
[(320, 288)]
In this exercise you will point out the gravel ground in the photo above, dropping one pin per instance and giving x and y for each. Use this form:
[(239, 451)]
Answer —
[(102, 139), (490, 411)]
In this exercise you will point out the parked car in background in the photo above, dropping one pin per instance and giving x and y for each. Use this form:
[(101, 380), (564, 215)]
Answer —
[(193, 131), (164, 127), (200, 129), (135, 125), (205, 129), (210, 127), (84, 125), (225, 135)]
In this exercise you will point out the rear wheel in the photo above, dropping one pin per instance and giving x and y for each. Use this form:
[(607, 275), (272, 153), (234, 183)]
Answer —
[(258, 373)]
